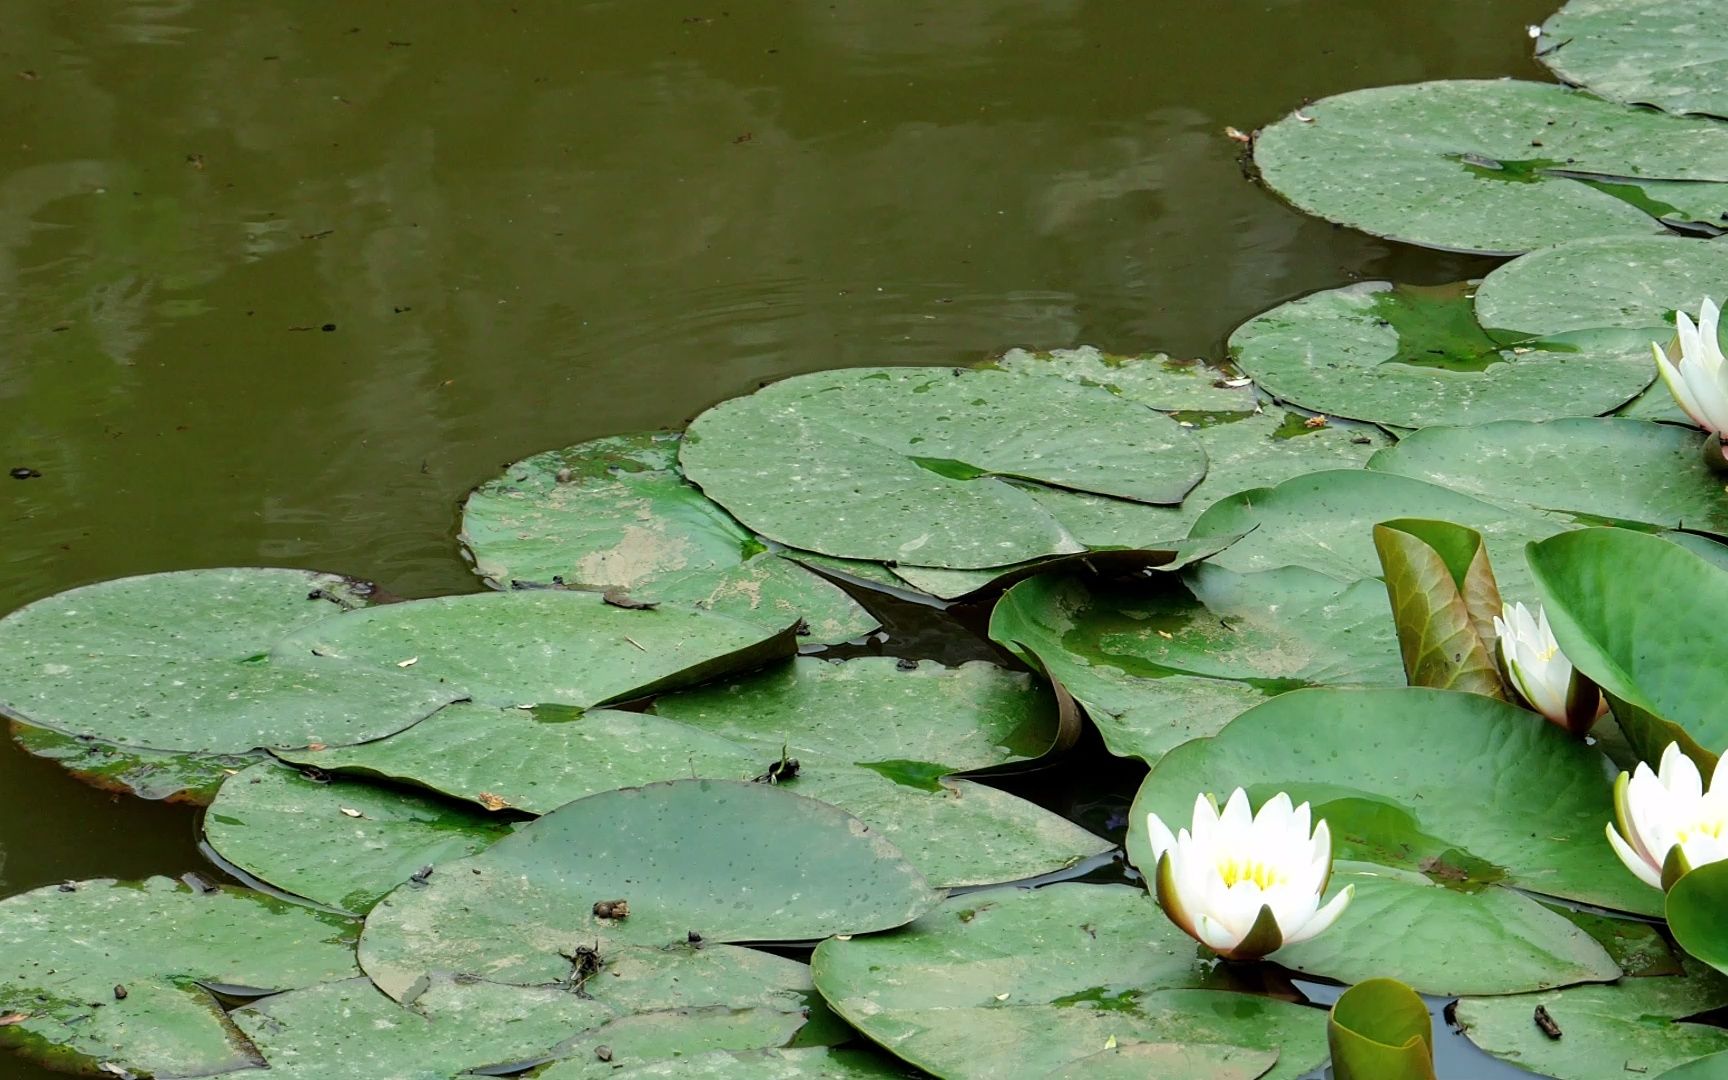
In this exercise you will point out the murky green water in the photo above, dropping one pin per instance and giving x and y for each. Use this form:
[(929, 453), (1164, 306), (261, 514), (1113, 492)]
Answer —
[(280, 281)]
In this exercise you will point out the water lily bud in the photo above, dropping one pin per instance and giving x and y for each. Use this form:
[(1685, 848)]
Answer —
[(1699, 382), (1666, 822), (1246, 885), (1539, 673)]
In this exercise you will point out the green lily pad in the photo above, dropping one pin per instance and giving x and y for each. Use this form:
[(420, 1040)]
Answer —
[(172, 776), (1694, 908), (1380, 1030), (106, 972), (730, 861), (1494, 166), (1470, 791), (616, 513), (1712, 1067), (181, 661), (1650, 637), (341, 844), (1411, 356), (1405, 925), (1325, 521), (1444, 603), (1244, 449), (911, 464), (1162, 556), (1628, 1027), (818, 1062), (449, 1025), (1057, 624), (1604, 468), (1031, 983), (541, 647), (1155, 380), (1666, 53), (1632, 283)]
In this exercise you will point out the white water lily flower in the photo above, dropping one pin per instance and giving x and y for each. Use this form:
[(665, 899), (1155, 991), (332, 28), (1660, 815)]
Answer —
[(1667, 822), (1246, 885), (1540, 672), (1699, 382)]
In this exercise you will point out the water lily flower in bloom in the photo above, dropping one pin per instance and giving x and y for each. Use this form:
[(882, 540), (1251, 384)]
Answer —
[(1246, 885), (1699, 382), (1540, 672), (1667, 822)]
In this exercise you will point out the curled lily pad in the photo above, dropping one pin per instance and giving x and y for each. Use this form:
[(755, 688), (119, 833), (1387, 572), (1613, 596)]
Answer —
[(1444, 602), (1636, 1023), (1694, 907), (1603, 468), (911, 464), (104, 972), (1495, 166), (1380, 1030), (1666, 53), (1412, 356), (725, 860), (339, 844), (1040, 982), (616, 513), (181, 661), (541, 647)]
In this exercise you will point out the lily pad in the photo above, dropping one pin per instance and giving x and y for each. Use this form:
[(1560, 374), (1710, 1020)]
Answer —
[(1380, 1030), (911, 464), (541, 647), (1694, 908), (106, 972), (1633, 1024), (1325, 521), (1666, 53), (730, 861), (1057, 623), (818, 1062), (1032, 983), (1494, 166), (1604, 468), (173, 776), (1469, 791), (1633, 283), (341, 844), (1155, 380), (616, 513), (181, 661), (1650, 637), (1411, 356)]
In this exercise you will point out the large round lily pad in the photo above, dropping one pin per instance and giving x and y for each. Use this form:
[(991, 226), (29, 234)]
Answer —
[(911, 464), (1494, 166), (1470, 791), (1605, 468), (182, 661), (104, 972), (1035, 983), (1666, 53), (1412, 356), (1325, 521), (1610, 282), (1632, 1027), (341, 844), (729, 861), (616, 513), (539, 647)]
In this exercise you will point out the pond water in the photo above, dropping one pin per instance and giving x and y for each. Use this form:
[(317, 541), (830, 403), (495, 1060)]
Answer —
[(280, 282)]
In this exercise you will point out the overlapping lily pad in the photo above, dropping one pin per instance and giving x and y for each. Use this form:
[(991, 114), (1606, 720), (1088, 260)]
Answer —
[(1604, 468), (1631, 283), (174, 776), (1666, 53), (616, 513), (1630, 1027), (911, 464), (1049, 982), (539, 647), (1325, 520), (182, 662), (1471, 792), (1495, 166), (875, 737), (1155, 380), (728, 861), (339, 844), (1412, 356), (115, 973)]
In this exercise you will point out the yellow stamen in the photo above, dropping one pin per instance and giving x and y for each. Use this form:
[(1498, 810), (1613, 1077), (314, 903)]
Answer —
[(1237, 870)]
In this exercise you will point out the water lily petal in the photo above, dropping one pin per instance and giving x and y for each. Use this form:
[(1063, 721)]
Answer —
[(1635, 862), (1324, 918)]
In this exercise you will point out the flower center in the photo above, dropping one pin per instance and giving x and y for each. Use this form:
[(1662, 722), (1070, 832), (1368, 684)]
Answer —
[(1264, 876), (1547, 655), (1712, 829)]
